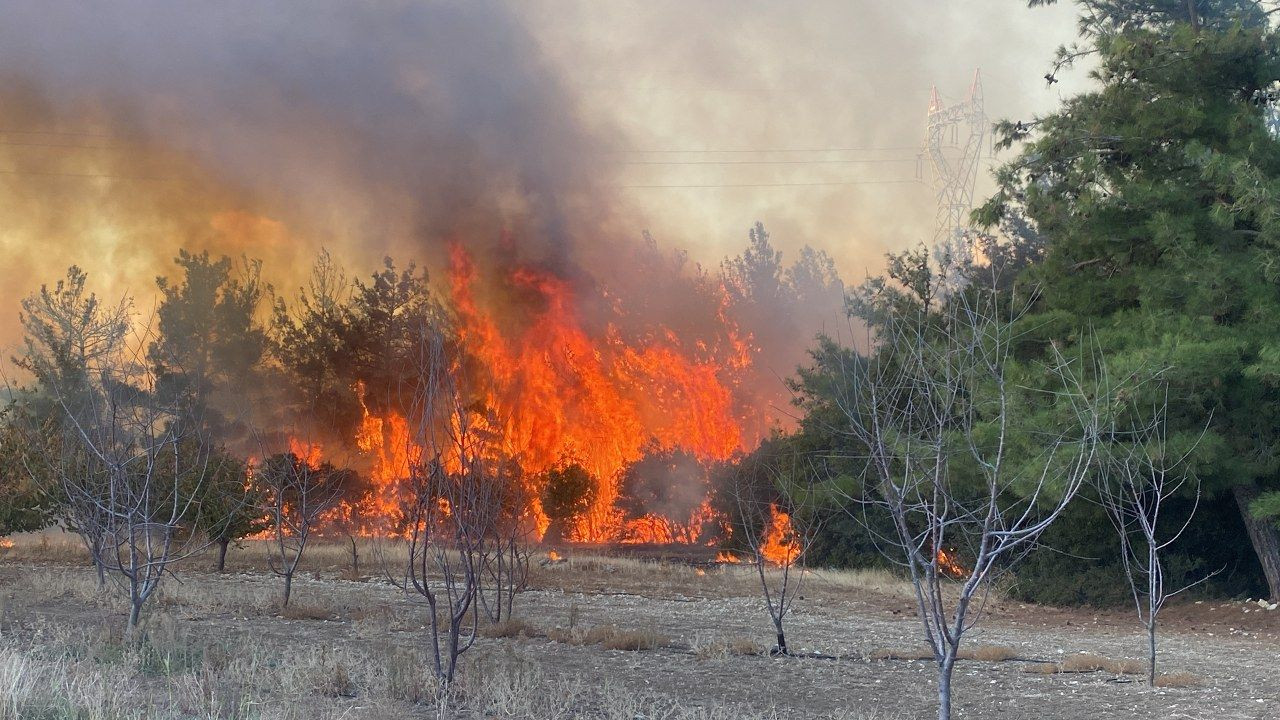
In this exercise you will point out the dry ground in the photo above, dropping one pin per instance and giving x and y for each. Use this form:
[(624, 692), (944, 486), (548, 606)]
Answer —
[(352, 647)]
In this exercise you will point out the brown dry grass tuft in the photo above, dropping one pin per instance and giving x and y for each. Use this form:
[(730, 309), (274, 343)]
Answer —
[(1083, 663), (509, 628), (745, 646), (1176, 680), (1089, 662), (1127, 666), (634, 640), (609, 637), (989, 653)]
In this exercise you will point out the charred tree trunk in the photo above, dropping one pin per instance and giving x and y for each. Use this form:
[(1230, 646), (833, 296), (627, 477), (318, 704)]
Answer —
[(222, 553), (1264, 536), (355, 557), (288, 588)]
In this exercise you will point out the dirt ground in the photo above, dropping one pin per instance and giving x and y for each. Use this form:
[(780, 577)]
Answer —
[(1229, 647)]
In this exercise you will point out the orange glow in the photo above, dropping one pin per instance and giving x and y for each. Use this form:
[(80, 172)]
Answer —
[(653, 528), (950, 566), (560, 392), (780, 545), (549, 380), (385, 440), (309, 452), (6, 544), (553, 556)]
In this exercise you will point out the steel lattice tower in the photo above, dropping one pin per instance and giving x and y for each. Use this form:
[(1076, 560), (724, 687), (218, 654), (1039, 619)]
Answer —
[(953, 143)]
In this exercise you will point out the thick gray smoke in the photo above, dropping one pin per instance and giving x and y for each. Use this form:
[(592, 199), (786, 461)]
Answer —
[(369, 126)]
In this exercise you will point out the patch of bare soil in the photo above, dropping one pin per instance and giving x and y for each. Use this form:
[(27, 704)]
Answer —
[(695, 618)]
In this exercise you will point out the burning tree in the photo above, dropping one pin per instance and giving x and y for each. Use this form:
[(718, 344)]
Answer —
[(952, 460), (776, 519), (568, 494), (665, 495), (458, 491), (297, 494)]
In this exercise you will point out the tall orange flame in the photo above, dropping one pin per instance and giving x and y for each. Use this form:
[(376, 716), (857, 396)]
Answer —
[(780, 545), (385, 439), (562, 393)]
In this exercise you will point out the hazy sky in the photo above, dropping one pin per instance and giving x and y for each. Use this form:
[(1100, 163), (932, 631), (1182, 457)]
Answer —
[(130, 129), (760, 75)]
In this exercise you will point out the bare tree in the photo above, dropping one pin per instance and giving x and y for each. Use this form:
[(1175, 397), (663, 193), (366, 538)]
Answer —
[(297, 495), (504, 556), (776, 521), (69, 334), (138, 471), (456, 502), (1142, 470), (935, 410)]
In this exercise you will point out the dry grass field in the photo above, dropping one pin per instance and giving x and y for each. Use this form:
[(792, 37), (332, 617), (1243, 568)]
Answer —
[(595, 637)]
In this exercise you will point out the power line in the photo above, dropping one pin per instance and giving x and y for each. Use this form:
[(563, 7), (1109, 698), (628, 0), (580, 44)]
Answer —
[(49, 173), (9, 143), (53, 132), (782, 184), (768, 150), (818, 161)]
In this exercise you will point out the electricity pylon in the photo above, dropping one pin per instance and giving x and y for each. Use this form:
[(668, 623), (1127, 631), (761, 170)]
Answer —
[(953, 142)]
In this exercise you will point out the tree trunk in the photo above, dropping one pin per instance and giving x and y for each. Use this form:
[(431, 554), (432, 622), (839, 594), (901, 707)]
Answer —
[(288, 588), (944, 688), (135, 613), (1264, 536), (1151, 648), (222, 553), (355, 558)]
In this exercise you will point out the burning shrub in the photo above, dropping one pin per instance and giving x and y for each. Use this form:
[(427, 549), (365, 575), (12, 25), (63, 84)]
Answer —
[(298, 495), (664, 494), (568, 492)]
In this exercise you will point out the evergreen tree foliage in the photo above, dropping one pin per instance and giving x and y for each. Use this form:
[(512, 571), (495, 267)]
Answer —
[(209, 346), (1157, 192)]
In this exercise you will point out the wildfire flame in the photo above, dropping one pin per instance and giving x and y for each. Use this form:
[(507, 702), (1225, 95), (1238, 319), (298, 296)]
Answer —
[(780, 545), (562, 393), (950, 566), (558, 390), (385, 439), (654, 528)]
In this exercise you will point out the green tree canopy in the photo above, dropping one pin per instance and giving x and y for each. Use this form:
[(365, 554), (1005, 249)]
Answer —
[(1157, 193), (209, 345)]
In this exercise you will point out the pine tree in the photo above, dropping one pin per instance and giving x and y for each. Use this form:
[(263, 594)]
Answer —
[(1158, 194)]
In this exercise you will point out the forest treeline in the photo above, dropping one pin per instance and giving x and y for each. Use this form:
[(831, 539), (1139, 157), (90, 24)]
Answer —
[(1136, 229), (1140, 220)]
